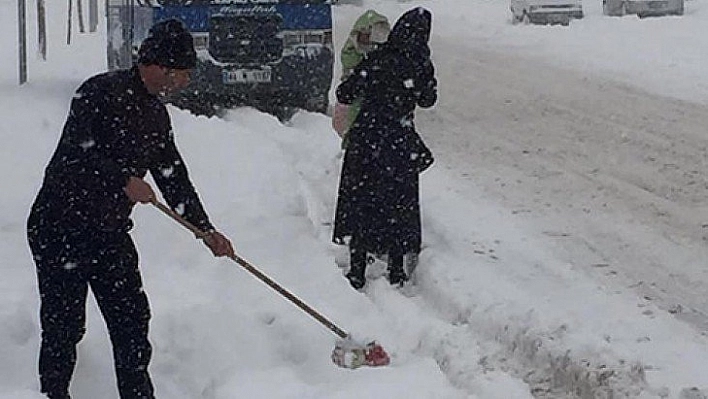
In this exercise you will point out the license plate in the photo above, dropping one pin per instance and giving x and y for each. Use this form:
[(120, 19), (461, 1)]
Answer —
[(246, 76), (558, 18), (657, 5)]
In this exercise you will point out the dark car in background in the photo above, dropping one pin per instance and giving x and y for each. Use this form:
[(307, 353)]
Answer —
[(642, 8), (545, 11)]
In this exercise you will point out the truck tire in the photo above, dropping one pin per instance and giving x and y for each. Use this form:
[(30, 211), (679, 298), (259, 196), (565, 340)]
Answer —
[(613, 8)]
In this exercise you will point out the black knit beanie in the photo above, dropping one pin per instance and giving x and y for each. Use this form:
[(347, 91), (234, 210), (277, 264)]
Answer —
[(168, 44)]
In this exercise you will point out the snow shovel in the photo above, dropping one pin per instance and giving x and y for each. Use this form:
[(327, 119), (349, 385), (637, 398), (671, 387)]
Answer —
[(347, 352)]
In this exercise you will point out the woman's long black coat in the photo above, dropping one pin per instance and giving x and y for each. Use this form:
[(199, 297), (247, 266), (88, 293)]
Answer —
[(378, 202)]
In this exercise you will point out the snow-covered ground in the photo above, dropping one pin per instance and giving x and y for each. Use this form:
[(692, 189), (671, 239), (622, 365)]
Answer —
[(564, 224)]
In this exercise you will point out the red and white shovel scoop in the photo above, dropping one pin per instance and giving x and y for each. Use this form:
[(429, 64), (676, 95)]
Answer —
[(350, 354), (347, 352)]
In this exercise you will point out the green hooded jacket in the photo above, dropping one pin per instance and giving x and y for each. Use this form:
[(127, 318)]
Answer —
[(352, 54)]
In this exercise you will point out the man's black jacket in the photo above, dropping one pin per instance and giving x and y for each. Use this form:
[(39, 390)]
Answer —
[(115, 130)]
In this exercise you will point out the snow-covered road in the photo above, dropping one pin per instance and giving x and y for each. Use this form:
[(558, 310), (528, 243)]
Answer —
[(564, 225), (608, 179), (612, 177)]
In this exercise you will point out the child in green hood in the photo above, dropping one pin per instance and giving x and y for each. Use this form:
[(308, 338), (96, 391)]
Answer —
[(369, 30)]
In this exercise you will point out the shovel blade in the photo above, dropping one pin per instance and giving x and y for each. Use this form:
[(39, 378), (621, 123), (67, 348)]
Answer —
[(352, 355)]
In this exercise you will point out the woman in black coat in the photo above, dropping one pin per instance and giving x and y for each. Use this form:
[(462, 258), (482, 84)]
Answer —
[(378, 205)]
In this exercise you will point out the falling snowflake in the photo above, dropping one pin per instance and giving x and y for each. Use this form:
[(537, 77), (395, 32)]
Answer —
[(87, 144), (167, 172)]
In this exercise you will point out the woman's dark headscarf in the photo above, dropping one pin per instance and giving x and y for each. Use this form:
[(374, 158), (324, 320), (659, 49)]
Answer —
[(411, 30)]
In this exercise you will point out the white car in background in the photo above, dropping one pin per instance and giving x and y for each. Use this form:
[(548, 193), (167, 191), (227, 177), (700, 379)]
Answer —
[(545, 11), (643, 8)]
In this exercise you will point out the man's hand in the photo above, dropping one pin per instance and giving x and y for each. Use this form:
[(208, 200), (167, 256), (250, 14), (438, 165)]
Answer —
[(219, 244), (138, 190)]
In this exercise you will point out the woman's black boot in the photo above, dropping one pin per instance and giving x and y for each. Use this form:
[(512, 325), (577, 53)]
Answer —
[(396, 274), (357, 267)]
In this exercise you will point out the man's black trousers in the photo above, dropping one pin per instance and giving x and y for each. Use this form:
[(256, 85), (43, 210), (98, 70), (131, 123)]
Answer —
[(68, 263)]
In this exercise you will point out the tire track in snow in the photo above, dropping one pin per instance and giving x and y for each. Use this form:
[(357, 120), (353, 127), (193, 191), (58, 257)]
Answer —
[(535, 169), (471, 341), (619, 172)]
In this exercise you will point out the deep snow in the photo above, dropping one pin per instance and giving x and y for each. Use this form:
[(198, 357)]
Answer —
[(503, 308)]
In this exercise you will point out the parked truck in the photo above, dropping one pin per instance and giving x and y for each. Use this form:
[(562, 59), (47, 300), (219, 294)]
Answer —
[(275, 55)]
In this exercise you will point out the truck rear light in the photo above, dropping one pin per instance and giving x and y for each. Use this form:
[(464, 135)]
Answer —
[(201, 41), (310, 38), (292, 39)]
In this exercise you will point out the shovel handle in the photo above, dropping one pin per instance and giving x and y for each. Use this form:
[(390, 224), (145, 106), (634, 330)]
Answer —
[(179, 219), (254, 271)]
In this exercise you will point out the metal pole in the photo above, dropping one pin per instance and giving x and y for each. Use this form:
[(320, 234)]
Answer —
[(93, 15), (42, 29), (80, 14), (68, 24), (131, 3), (110, 55), (22, 37)]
